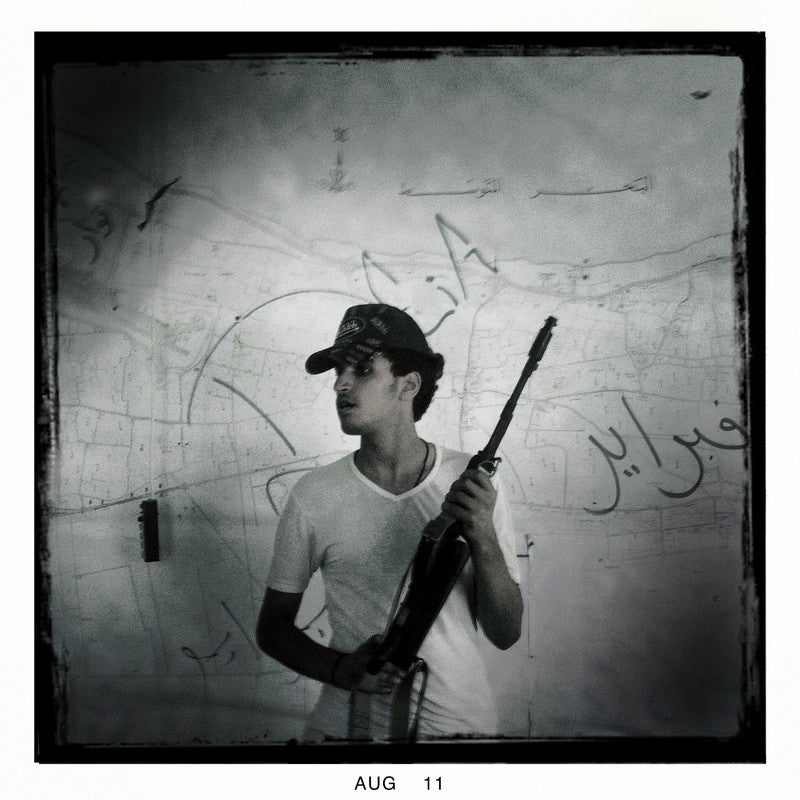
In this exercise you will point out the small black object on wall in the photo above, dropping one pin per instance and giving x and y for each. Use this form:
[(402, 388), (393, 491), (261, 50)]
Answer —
[(149, 525)]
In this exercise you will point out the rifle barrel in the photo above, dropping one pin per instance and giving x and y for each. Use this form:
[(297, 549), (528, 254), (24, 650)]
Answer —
[(534, 357)]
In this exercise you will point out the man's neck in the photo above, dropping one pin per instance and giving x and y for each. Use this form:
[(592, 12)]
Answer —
[(394, 459)]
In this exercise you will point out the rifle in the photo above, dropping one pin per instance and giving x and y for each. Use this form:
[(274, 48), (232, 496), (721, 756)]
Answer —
[(442, 552)]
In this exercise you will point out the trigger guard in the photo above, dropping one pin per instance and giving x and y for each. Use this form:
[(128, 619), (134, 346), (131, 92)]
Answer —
[(490, 466)]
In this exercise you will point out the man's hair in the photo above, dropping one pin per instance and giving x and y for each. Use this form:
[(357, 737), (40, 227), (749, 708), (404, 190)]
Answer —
[(430, 369)]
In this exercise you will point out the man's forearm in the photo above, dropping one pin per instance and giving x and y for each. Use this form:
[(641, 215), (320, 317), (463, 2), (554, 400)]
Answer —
[(471, 500), (497, 597), (288, 644)]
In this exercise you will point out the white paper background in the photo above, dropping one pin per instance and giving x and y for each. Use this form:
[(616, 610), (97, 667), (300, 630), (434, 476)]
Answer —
[(740, 781)]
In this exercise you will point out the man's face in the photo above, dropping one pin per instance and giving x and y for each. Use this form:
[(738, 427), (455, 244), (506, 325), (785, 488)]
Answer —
[(367, 396)]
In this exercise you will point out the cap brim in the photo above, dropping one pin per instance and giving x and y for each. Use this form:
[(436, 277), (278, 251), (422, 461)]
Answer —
[(321, 361), (337, 355)]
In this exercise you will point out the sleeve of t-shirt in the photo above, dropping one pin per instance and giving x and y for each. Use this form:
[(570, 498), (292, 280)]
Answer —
[(504, 527), (294, 559)]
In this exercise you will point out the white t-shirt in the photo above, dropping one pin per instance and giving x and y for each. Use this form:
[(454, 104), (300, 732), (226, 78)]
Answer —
[(363, 538)]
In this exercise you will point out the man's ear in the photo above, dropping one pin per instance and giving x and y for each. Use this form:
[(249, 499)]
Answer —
[(410, 385)]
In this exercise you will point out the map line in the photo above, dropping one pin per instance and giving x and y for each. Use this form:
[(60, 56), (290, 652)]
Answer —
[(256, 408), (244, 317)]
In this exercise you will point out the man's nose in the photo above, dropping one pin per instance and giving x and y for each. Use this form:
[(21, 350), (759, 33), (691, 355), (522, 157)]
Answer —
[(342, 382)]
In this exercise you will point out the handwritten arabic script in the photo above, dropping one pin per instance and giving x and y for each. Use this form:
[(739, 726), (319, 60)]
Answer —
[(488, 186), (643, 184), (725, 424)]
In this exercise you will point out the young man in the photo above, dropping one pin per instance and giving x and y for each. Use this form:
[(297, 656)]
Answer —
[(359, 521)]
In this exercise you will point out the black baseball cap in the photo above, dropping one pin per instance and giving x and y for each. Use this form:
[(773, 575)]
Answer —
[(364, 331)]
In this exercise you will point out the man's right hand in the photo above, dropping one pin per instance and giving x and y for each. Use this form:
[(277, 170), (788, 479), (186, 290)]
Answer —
[(351, 671)]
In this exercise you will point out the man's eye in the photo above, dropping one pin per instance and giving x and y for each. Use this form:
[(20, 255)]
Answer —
[(363, 369)]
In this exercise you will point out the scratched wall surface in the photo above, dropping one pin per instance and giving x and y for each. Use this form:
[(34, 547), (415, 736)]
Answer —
[(213, 222)]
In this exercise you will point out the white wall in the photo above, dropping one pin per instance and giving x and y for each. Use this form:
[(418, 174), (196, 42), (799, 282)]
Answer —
[(181, 349)]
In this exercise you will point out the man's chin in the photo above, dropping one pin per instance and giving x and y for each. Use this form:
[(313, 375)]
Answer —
[(349, 427)]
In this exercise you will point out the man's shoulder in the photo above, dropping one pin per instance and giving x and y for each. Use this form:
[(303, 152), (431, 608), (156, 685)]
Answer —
[(321, 480), (453, 458), (451, 463), (454, 462)]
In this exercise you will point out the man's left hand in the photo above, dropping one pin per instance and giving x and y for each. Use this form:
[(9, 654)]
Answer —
[(471, 501)]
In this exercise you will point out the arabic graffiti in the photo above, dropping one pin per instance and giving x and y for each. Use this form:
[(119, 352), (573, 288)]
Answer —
[(451, 236), (189, 653), (367, 262), (487, 186), (725, 424), (151, 203), (93, 227), (642, 184), (338, 173), (446, 229)]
